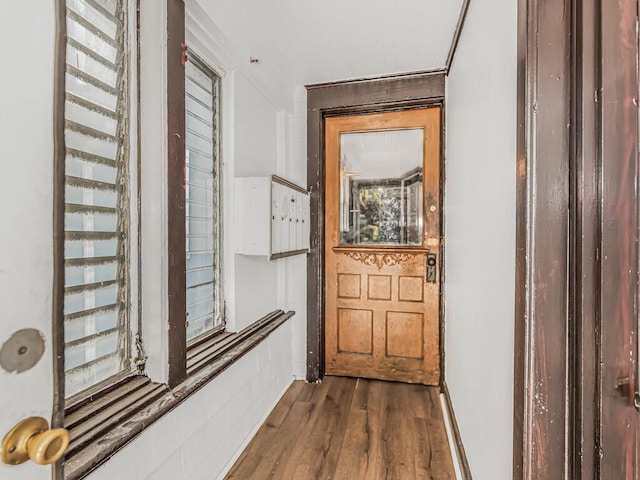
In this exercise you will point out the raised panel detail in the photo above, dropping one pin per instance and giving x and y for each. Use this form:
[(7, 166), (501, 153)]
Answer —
[(404, 334), (348, 285), (410, 289), (379, 287), (355, 331)]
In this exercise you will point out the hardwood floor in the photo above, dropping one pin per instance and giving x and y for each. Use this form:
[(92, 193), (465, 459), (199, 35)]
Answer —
[(350, 429)]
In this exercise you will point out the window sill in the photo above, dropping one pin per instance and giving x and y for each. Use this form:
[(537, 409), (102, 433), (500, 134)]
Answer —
[(100, 428)]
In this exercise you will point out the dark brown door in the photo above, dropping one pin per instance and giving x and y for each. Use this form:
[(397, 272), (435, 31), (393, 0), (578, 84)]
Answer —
[(382, 237), (619, 259), (577, 297)]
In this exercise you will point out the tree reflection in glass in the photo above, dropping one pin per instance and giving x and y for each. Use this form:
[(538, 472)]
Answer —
[(381, 187)]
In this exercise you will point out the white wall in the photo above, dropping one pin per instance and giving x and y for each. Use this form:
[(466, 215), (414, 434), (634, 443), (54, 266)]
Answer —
[(255, 137), (297, 266), (480, 235)]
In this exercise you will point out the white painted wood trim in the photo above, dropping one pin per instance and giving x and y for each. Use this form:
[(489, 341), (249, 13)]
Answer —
[(452, 443)]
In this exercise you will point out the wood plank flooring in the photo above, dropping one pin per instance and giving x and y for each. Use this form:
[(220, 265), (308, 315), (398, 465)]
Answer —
[(350, 429)]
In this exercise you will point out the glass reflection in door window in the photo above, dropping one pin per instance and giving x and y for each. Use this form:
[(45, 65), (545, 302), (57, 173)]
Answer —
[(381, 187)]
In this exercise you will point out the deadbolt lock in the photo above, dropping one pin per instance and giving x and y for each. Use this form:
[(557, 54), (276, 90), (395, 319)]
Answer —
[(432, 268)]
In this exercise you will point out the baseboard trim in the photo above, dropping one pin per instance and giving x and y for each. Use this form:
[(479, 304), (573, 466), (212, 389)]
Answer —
[(450, 419)]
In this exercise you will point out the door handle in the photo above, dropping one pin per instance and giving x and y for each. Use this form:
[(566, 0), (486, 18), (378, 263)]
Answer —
[(432, 268), (31, 439), (626, 390), (623, 385)]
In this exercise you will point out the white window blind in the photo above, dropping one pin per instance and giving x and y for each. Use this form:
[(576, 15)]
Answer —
[(96, 194), (202, 171)]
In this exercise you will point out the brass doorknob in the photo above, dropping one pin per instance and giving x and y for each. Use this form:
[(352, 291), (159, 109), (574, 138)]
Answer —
[(31, 439)]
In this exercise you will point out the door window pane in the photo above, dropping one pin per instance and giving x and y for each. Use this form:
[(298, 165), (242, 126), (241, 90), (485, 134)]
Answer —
[(381, 199)]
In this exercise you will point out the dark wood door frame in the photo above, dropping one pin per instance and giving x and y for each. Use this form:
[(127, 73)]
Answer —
[(542, 311), (343, 98), (577, 232)]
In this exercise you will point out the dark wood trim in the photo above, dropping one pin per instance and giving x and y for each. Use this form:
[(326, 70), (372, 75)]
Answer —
[(380, 91), (457, 438), (343, 98), (618, 114), (207, 352), (176, 254), (276, 256), (136, 403), (443, 244), (584, 278), (456, 35), (57, 328), (521, 301), (541, 365), (578, 94), (288, 183), (375, 78)]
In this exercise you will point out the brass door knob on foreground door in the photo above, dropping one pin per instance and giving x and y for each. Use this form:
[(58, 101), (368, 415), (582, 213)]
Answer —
[(31, 439)]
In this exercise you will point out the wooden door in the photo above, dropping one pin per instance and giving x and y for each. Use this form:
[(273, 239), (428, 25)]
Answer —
[(382, 255)]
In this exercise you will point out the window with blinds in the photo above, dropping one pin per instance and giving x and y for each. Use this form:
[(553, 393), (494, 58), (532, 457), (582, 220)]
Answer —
[(96, 194), (205, 311)]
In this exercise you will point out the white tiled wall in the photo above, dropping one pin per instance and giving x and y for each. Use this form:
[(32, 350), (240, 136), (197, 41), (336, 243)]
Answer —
[(202, 438), (297, 266)]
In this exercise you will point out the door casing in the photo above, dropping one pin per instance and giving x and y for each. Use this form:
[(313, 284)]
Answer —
[(576, 240), (390, 93)]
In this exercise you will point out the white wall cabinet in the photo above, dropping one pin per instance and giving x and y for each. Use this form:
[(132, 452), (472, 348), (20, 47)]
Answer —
[(272, 217)]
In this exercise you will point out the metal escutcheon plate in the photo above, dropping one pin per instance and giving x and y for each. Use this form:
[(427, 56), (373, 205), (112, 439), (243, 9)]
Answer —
[(22, 350)]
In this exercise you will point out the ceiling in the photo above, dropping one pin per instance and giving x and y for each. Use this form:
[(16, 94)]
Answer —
[(314, 41)]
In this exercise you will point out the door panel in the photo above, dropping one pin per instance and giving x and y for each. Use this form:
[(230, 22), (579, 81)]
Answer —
[(26, 236), (619, 268), (382, 227)]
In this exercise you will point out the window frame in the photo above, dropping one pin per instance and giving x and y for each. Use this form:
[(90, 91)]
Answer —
[(186, 357), (218, 207), (146, 392), (128, 314), (176, 201)]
